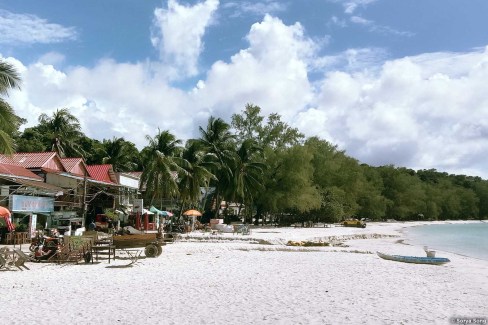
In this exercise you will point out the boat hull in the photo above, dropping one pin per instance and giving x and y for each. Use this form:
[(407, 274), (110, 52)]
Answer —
[(414, 259)]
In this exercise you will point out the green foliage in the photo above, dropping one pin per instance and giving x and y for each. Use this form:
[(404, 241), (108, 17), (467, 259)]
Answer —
[(21, 227), (31, 140), (160, 160), (197, 165), (110, 213), (63, 131), (263, 165), (9, 122), (122, 155)]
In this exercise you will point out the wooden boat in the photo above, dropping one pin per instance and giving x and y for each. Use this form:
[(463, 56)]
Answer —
[(414, 259)]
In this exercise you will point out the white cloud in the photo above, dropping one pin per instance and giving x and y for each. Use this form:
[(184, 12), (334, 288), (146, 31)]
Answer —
[(178, 32), (426, 111), (420, 112), (52, 58), (24, 28), (360, 20), (271, 72), (350, 6), (336, 21), (351, 60), (373, 27), (256, 7)]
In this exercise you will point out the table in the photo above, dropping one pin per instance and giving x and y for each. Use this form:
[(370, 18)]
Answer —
[(133, 254)]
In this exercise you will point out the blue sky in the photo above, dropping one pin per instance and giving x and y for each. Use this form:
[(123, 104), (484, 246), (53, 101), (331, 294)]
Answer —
[(390, 82)]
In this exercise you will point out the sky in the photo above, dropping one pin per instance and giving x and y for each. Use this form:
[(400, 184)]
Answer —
[(399, 83)]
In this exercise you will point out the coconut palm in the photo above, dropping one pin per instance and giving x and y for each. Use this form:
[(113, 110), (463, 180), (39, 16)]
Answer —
[(161, 164), (63, 130), (248, 173), (121, 154), (198, 165), (9, 122), (220, 142)]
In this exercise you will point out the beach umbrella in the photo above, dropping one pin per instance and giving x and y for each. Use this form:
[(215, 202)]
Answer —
[(166, 213), (5, 214), (193, 213)]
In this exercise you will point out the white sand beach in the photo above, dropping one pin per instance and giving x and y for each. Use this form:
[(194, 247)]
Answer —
[(254, 279)]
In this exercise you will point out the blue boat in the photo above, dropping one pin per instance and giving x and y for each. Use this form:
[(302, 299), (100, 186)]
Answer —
[(414, 259)]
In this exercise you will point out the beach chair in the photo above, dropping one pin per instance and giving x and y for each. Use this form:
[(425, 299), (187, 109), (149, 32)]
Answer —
[(6, 256), (21, 259), (3, 263)]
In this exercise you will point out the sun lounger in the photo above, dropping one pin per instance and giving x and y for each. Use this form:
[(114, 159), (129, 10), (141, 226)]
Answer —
[(6, 258), (3, 263)]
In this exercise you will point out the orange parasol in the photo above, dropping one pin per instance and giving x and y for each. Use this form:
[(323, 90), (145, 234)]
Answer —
[(193, 213), (5, 213)]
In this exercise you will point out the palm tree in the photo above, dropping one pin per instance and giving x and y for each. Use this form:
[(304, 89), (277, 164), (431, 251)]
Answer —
[(161, 163), (248, 173), (198, 165), (120, 154), (9, 122), (63, 130), (219, 141)]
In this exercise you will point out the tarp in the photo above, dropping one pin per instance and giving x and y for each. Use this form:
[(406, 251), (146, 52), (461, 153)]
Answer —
[(161, 213), (153, 209)]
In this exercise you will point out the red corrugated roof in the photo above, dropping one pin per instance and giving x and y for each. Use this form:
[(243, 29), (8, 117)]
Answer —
[(28, 159), (102, 173), (70, 164), (17, 171)]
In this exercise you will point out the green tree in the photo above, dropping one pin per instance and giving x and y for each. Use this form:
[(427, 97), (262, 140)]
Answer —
[(279, 135), (372, 204), (248, 172), (405, 191), (31, 140), (9, 122), (93, 149), (289, 184), (63, 130), (481, 189), (197, 165), (220, 142), (122, 155), (248, 124), (161, 166)]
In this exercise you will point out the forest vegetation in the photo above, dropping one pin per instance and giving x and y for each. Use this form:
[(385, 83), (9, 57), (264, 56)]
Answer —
[(259, 162)]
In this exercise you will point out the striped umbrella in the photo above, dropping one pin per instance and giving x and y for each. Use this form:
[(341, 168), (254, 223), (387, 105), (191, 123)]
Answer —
[(5, 213)]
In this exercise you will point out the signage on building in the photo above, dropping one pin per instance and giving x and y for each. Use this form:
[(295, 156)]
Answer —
[(32, 225), (22, 203), (138, 205)]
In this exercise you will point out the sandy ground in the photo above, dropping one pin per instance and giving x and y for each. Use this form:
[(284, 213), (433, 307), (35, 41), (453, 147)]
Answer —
[(255, 279)]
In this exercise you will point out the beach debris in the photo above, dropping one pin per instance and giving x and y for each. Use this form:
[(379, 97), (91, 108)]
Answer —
[(307, 243)]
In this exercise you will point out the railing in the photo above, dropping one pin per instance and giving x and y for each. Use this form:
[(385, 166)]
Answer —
[(17, 238)]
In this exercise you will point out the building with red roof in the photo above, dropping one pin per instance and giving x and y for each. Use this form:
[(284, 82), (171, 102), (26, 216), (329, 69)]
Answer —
[(34, 161), (102, 173), (75, 166), (84, 190)]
